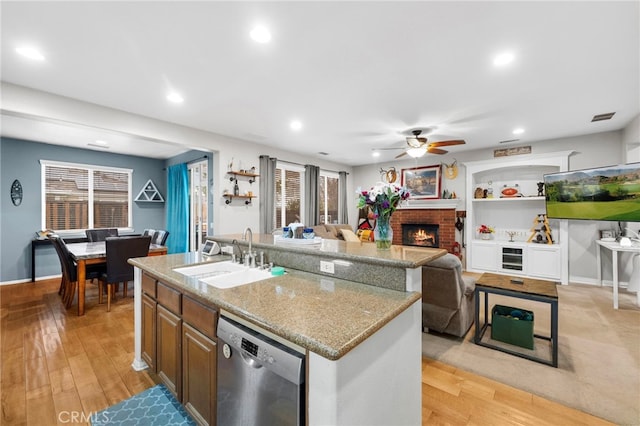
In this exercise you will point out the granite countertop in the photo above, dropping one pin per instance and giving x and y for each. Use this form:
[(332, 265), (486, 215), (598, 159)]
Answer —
[(324, 315), (364, 252)]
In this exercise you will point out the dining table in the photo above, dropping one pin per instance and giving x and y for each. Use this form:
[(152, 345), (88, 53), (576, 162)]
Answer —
[(91, 253)]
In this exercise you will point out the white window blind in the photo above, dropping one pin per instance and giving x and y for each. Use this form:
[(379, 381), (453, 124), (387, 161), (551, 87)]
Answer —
[(288, 199), (80, 196)]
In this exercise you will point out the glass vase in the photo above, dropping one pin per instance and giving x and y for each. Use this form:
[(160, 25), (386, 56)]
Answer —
[(383, 234)]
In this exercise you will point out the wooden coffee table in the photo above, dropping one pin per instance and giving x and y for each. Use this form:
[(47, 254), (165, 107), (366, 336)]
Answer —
[(530, 289)]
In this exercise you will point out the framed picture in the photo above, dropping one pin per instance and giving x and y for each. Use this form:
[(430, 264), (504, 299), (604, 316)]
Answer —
[(422, 182)]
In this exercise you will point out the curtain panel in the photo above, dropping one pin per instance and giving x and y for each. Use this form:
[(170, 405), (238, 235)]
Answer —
[(267, 193), (178, 208), (312, 209), (342, 197)]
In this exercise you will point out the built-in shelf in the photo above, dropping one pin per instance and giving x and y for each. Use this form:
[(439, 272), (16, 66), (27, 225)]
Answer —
[(510, 199)]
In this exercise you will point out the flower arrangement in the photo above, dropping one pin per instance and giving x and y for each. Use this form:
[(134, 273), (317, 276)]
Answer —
[(484, 229), (383, 198)]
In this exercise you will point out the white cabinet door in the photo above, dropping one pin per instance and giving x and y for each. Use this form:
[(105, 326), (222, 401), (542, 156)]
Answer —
[(544, 261), (484, 256)]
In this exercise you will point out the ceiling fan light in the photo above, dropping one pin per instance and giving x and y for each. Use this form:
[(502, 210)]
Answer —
[(417, 152)]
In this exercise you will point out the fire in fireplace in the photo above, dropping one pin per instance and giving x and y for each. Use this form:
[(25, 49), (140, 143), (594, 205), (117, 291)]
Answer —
[(421, 235)]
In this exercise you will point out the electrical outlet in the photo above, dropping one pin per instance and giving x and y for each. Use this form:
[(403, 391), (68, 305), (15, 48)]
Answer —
[(327, 267)]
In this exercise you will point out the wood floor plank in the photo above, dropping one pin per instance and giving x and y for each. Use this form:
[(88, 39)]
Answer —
[(40, 407), (14, 404)]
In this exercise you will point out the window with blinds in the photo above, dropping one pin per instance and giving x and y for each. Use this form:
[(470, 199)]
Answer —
[(78, 197), (288, 203), (328, 192)]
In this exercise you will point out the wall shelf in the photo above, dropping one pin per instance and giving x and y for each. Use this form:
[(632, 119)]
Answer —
[(234, 175), (149, 193), (230, 197)]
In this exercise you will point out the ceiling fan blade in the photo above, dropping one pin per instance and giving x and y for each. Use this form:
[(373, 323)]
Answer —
[(401, 155), (447, 143), (436, 151)]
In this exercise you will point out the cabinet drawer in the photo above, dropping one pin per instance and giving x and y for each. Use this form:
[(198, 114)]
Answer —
[(149, 285), (202, 317), (169, 298)]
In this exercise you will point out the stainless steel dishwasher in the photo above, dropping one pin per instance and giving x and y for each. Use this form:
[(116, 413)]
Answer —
[(260, 381)]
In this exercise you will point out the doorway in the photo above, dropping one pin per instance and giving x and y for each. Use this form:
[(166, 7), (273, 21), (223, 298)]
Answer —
[(198, 202)]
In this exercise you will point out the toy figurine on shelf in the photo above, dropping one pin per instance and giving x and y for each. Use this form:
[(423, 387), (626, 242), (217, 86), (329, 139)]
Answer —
[(541, 231)]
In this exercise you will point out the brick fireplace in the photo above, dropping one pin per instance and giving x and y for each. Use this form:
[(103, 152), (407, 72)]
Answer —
[(445, 218)]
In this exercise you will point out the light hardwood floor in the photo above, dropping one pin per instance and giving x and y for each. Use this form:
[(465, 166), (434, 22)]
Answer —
[(58, 368)]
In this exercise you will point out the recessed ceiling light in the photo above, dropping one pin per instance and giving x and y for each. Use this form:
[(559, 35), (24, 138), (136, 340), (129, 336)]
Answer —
[(260, 34), (375, 154), (30, 52), (503, 59), (175, 98), (518, 131), (295, 125), (99, 142)]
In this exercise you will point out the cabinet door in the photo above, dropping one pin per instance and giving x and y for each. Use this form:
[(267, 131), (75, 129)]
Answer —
[(149, 331), (199, 375), (544, 261), (169, 353), (484, 256)]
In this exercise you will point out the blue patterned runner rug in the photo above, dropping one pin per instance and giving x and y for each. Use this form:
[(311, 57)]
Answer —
[(155, 406)]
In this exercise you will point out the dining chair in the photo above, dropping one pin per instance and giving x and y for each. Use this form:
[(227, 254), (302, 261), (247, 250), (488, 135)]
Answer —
[(160, 237), (149, 231), (69, 268), (100, 234), (119, 250)]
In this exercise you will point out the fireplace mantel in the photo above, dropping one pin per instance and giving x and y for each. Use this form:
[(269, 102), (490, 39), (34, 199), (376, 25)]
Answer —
[(452, 203)]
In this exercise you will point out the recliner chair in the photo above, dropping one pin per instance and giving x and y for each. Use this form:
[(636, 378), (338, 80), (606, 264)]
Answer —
[(447, 296)]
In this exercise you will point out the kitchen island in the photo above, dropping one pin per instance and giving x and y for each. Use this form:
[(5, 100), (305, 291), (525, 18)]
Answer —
[(362, 341)]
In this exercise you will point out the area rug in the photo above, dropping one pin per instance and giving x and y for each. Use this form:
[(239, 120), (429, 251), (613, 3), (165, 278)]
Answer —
[(598, 354), (155, 406)]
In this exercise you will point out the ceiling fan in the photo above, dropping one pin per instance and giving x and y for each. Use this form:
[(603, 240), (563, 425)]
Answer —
[(418, 146)]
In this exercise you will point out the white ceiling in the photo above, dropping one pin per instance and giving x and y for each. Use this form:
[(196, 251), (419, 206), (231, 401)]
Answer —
[(358, 75)]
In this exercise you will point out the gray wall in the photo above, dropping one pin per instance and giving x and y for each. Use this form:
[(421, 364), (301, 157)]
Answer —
[(19, 159)]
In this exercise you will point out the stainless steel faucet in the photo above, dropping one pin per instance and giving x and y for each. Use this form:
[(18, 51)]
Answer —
[(251, 260)]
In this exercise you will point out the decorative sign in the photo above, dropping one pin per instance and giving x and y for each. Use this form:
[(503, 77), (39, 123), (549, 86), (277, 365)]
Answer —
[(505, 152), (16, 193)]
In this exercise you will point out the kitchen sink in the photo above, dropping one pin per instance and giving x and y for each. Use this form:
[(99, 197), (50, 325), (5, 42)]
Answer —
[(224, 274)]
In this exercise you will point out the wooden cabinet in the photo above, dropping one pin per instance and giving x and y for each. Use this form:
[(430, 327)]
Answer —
[(544, 261), (149, 331), (179, 344), (168, 350), (199, 360)]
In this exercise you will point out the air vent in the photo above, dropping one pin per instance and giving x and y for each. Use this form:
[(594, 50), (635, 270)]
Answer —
[(509, 141), (323, 153), (602, 117)]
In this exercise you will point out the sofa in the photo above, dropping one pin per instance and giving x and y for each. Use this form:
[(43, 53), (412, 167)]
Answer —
[(447, 297)]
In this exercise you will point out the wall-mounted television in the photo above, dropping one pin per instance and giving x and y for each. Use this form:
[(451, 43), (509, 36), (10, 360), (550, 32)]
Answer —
[(603, 193)]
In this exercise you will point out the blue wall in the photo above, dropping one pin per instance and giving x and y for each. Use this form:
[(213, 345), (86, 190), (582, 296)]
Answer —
[(19, 159)]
